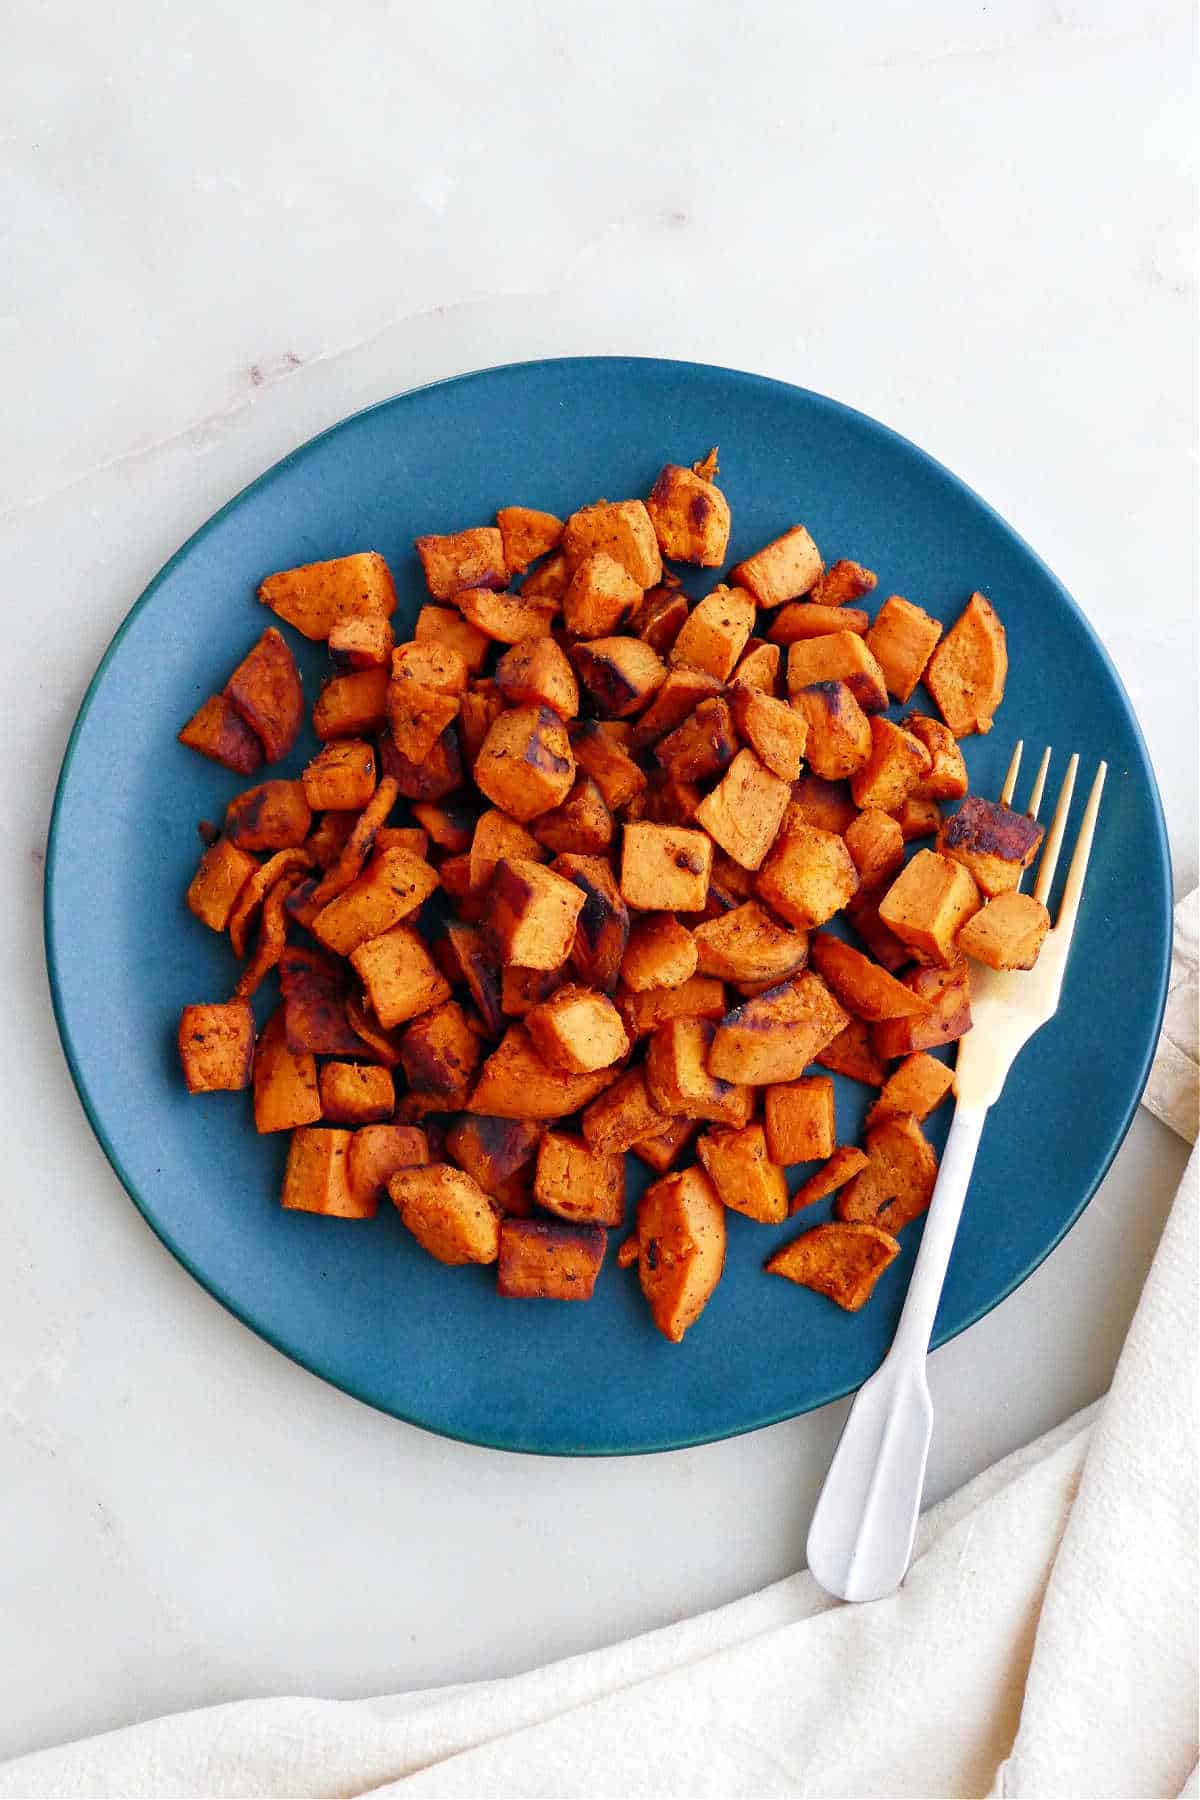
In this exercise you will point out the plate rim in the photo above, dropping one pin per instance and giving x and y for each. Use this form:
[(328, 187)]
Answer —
[(688, 1440)]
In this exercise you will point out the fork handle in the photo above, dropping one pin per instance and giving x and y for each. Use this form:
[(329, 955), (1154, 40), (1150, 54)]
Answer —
[(861, 1537)]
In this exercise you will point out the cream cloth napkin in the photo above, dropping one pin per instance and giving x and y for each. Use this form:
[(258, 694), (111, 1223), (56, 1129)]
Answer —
[(1044, 1643)]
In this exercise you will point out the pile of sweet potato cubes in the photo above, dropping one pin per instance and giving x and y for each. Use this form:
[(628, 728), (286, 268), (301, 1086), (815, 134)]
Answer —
[(595, 926)]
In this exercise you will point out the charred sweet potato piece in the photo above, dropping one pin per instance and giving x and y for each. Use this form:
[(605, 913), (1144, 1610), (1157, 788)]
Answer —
[(461, 560), (497, 1153), (602, 928), (265, 691), (775, 1036), (394, 885), (918, 818), (622, 1116), (356, 1093), (661, 953), (737, 1164), (383, 1045), (316, 1179), (917, 1087), (746, 944), (436, 775), (447, 1213), (577, 1029), (759, 667), (845, 1162), (897, 1184), (328, 838), (272, 936), (825, 804), (315, 990), (548, 582), (219, 732), (523, 989), (946, 778), (478, 710), (967, 672), (603, 755), (665, 868), (353, 705), (680, 1249), (663, 612), (418, 715), (744, 811), (841, 1261), (665, 801), (400, 977), (699, 997), (843, 581), (341, 778), (840, 656), (314, 596), (255, 889), (802, 620), (1008, 933), (678, 1079), (863, 988), (853, 1052), (582, 824), (601, 597), (516, 1083), (213, 890), (361, 643), (777, 733), (667, 1146), (216, 1046), (539, 1261), (439, 1054), (703, 745), (994, 843), (446, 625), (783, 569), (357, 847), (577, 1183), (450, 826), (505, 618), (273, 816), (496, 835), (376, 1153), (285, 1081), (623, 530), (876, 846), (902, 639), (531, 914), (808, 876), (622, 674), (928, 903), (526, 766), (837, 732), (897, 764), (526, 534), (691, 517), (536, 672), (799, 1119), (715, 632), (948, 992)]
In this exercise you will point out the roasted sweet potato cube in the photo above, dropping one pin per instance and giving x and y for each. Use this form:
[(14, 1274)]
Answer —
[(680, 1245), (478, 710), (341, 778), (808, 876), (967, 672), (622, 1116), (918, 818), (839, 656), (401, 978), (759, 667), (447, 1213), (272, 816), (776, 732), (715, 632), (216, 1046), (745, 1178), (601, 597), (699, 997), (582, 824), (393, 886), (948, 992), (265, 691), (897, 763), (516, 1083), (366, 642), (549, 1262), (845, 1162), (376, 1153), (928, 903), (876, 846), (526, 766), (418, 715), (213, 890), (622, 674), (429, 663), (664, 609), (690, 516), (607, 760), (678, 1079), (439, 1054), (992, 841), (356, 1093), (496, 835), (746, 944), (667, 1146), (863, 988), (536, 672), (445, 625), (665, 868), (661, 953), (531, 914), (837, 738), (843, 581), (548, 582), (462, 560), (825, 804), (505, 618), (799, 1119), (494, 1152), (577, 1029), (315, 991), (526, 534), (314, 596), (353, 705), (602, 928), (917, 1087), (702, 745), (523, 989), (744, 811), (1007, 933), (946, 778), (623, 530), (853, 1052), (897, 1184), (801, 620), (841, 1261), (783, 569), (433, 777), (219, 732), (902, 639), (316, 1179), (577, 1183), (449, 825), (775, 1036)]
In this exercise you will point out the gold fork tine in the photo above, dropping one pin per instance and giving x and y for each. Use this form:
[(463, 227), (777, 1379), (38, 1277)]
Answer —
[(1010, 780), (1054, 837), (1039, 786), (1073, 887)]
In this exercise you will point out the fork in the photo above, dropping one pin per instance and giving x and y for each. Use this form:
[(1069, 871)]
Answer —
[(861, 1537)]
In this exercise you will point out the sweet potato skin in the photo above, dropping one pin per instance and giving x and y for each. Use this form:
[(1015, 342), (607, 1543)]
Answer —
[(541, 1261)]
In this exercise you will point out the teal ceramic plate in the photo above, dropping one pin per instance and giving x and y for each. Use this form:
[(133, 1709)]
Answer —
[(360, 1304)]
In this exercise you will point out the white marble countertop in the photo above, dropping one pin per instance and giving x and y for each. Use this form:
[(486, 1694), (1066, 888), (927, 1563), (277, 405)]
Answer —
[(223, 229)]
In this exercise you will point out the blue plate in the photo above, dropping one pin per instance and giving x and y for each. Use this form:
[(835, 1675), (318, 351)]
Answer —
[(360, 1304)]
